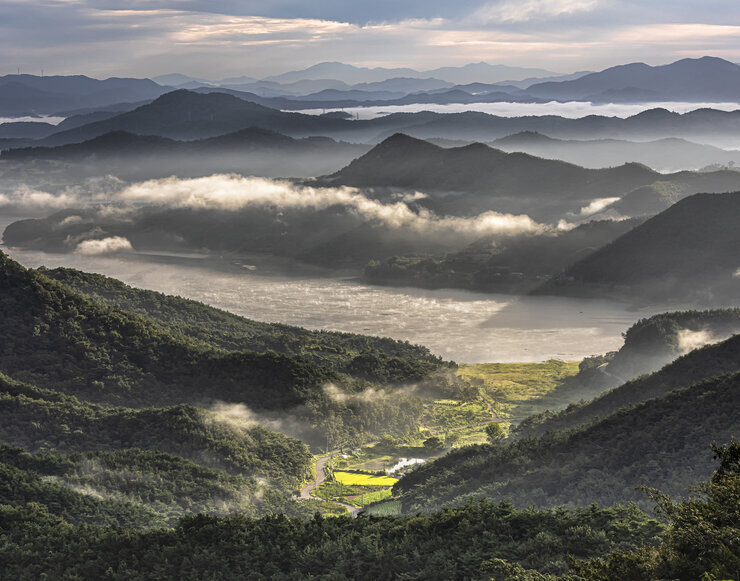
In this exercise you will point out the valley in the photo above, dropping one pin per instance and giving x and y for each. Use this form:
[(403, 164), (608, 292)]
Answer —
[(364, 322)]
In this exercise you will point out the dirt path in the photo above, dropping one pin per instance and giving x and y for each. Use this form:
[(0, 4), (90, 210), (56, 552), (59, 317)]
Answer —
[(320, 477), (320, 465)]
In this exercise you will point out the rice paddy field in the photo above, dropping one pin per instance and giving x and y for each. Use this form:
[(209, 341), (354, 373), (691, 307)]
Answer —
[(363, 479)]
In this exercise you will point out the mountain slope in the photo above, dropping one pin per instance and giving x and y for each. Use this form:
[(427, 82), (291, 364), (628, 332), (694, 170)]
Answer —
[(662, 443), (691, 368), (64, 341), (394, 361), (187, 115), (405, 162), (689, 250), (40, 419), (702, 79)]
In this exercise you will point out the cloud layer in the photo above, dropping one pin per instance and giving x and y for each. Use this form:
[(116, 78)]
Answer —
[(233, 192), (226, 38)]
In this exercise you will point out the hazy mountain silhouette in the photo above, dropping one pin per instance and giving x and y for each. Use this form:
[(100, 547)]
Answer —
[(187, 115), (253, 151), (664, 154), (702, 79), (31, 94), (466, 74), (690, 250)]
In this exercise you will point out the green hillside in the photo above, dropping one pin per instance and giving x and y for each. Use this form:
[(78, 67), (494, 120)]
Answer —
[(661, 443), (689, 251), (384, 360), (691, 368)]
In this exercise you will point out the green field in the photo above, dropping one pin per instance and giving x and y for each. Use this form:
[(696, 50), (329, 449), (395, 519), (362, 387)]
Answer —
[(441, 415), (513, 389), (388, 508)]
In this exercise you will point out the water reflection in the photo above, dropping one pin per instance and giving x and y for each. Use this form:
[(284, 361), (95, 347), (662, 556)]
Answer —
[(464, 326)]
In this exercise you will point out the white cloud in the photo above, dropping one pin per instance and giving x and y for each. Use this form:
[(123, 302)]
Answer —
[(109, 245), (524, 10), (233, 192)]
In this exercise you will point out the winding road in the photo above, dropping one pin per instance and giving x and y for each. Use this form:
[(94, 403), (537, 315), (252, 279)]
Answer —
[(320, 477)]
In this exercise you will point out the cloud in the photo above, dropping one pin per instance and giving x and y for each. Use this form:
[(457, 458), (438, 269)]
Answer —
[(233, 192), (109, 245), (208, 39), (597, 205), (238, 416), (524, 10), (689, 340), (33, 200)]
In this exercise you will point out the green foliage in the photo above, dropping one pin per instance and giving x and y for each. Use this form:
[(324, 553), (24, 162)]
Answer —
[(702, 540), (495, 433), (451, 544), (45, 420), (373, 358), (64, 341), (434, 443), (133, 488), (660, 443), (691, 368)]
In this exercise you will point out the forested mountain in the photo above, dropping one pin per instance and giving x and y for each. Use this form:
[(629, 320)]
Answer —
[(66, 342), (384, 360), (518, 264), (661, 442), (405, 162), (469, 542), (655, 341), (187, 115), (689, 250), (695, 366), (134, 488), (38, 419), (483, 178)]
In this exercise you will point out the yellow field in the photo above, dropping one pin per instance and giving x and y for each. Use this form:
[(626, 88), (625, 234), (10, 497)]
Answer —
[(353, 479)]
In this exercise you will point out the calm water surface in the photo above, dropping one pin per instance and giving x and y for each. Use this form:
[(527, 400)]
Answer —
[(459, 325)]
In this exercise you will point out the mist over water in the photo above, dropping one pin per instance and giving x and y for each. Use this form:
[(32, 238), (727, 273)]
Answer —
[(459, 325), (571, 109), (52, 120)]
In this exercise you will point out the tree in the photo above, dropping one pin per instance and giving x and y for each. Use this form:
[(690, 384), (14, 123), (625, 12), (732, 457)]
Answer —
[(702, 541), (495, 433), (433, 443)]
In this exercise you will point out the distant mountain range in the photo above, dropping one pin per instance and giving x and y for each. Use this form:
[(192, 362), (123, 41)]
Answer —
[(668, 154), (707, 79), (30, 94), (486, 179), (469, 73), (250, 151)]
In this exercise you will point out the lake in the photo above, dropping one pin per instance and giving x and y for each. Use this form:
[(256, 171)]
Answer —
[(463, 326)]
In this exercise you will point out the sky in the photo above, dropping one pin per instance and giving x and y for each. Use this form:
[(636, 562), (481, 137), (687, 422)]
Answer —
[(214, 39)]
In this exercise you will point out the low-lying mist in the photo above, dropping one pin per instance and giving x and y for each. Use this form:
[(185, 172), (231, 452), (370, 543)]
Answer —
[(233, 212)]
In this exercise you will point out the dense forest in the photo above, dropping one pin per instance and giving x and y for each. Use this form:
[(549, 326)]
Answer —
[(127, 450), (477, 540)]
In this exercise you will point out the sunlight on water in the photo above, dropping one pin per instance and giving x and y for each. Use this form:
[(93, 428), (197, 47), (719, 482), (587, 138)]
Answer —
[(463, 326)]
